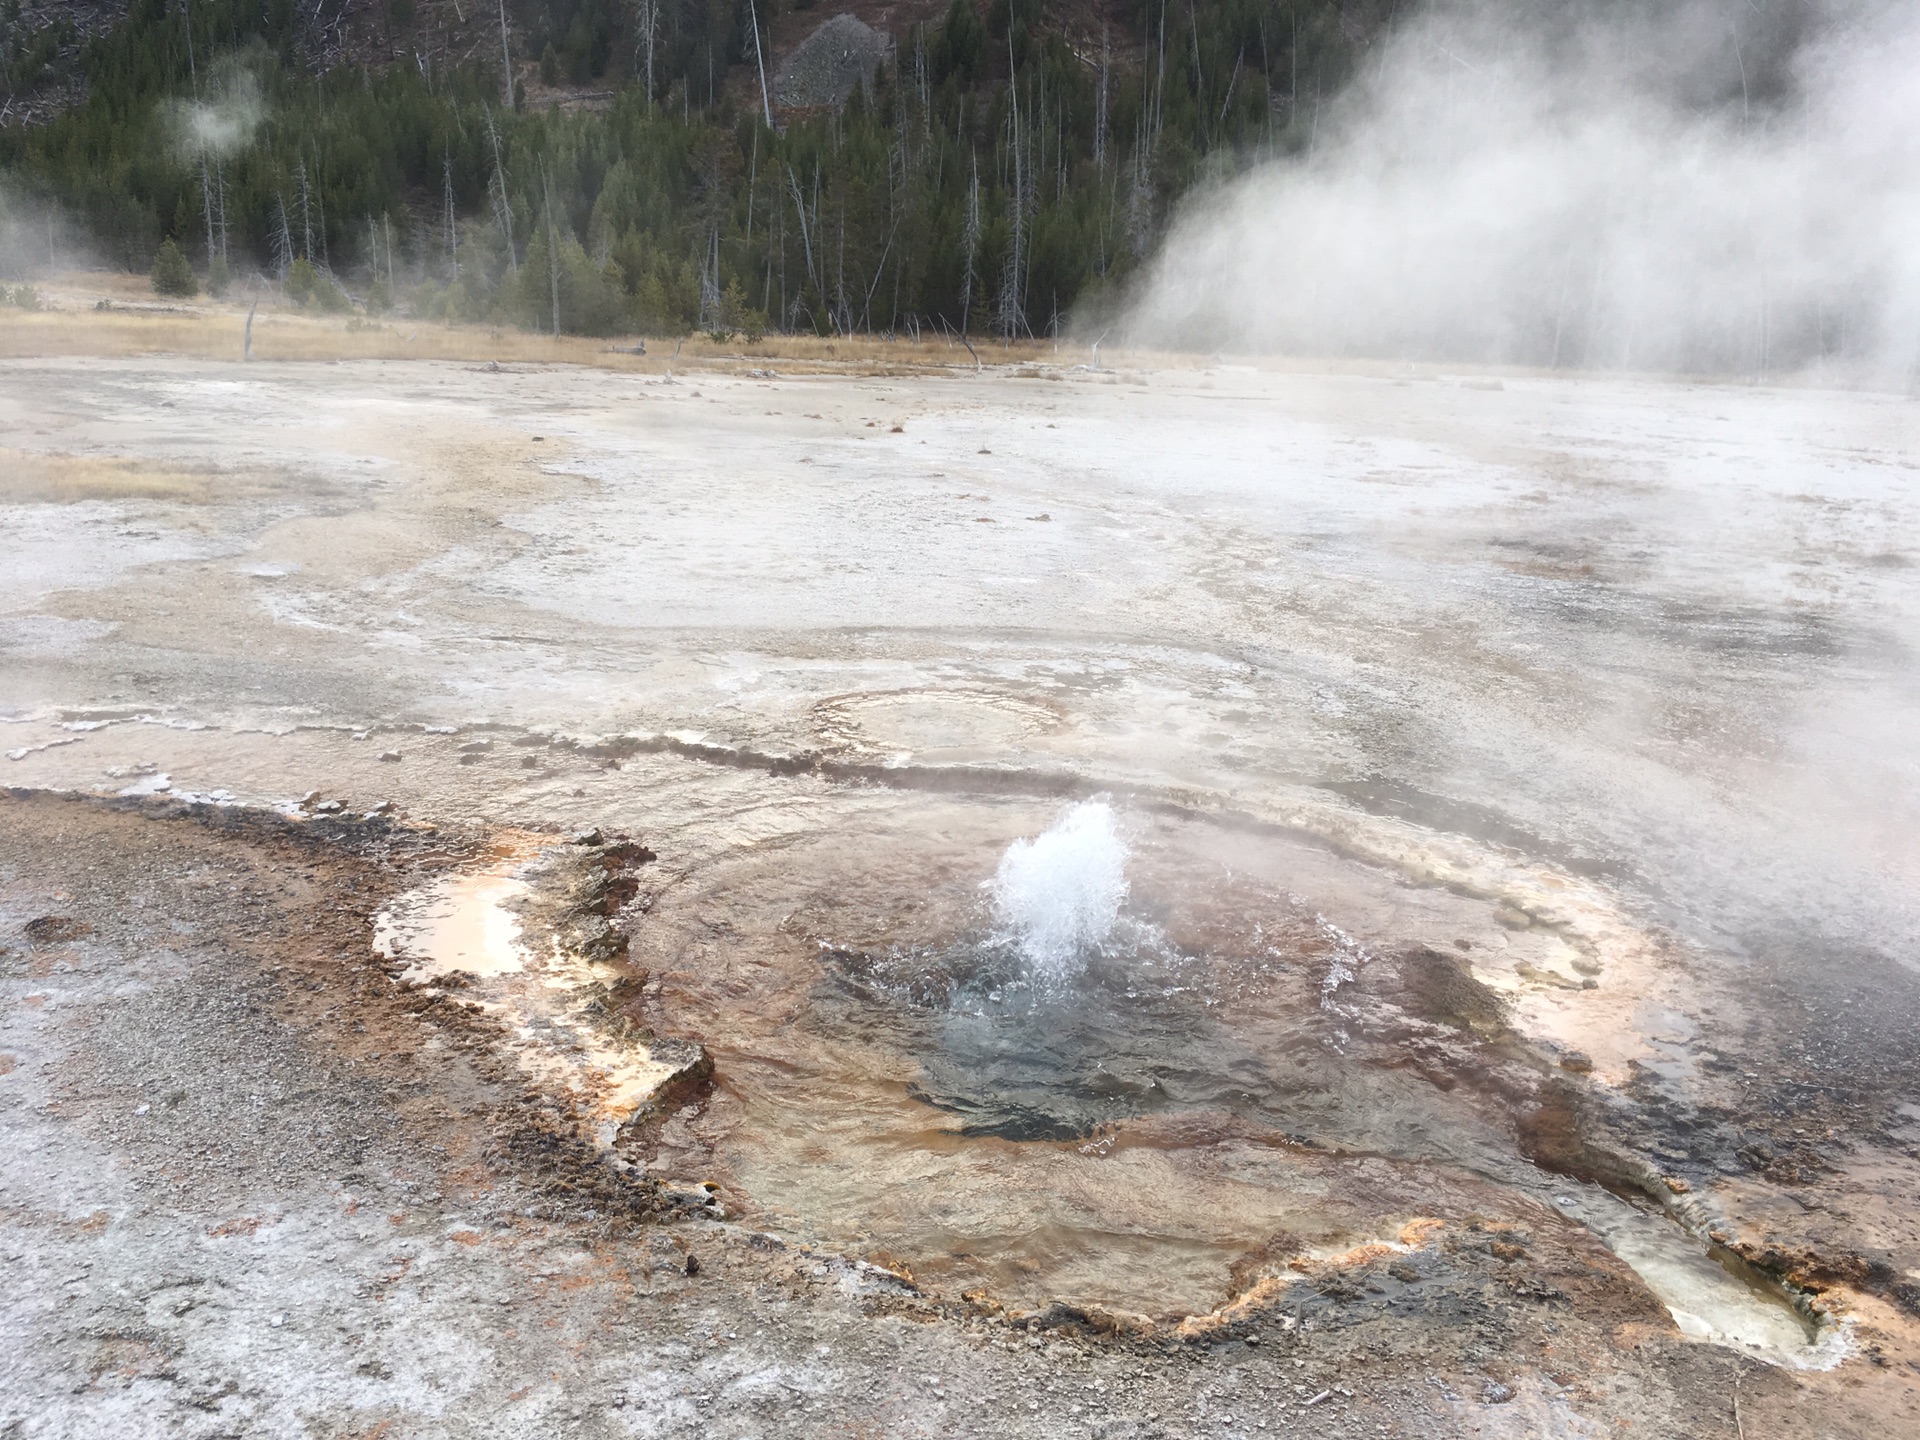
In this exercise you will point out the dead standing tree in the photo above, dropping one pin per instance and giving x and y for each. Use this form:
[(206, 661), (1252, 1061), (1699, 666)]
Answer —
[(646, 32), (553, 247), (506, 55), (497, 189)]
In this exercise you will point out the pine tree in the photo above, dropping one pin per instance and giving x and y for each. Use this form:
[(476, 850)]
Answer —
[(171, 273)]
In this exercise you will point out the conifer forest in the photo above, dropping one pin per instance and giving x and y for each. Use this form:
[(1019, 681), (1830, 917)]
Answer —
[(610, 166)]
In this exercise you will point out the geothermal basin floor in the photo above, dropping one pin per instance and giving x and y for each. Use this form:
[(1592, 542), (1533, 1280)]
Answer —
[(493, 932)]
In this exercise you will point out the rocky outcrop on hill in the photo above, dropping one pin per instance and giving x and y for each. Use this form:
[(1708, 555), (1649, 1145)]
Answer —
[(824, 68)]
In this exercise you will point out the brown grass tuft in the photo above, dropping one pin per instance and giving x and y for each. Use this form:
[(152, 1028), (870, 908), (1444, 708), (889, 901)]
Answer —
[(27, 475)]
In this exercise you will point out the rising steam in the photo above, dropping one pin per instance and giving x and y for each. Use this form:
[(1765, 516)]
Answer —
[(222, 120), (37, 238), (1730, 185)]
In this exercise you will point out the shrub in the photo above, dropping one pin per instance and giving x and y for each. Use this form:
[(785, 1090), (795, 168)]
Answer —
[(739, 318), (219, 276), (329, 296), (302, 280), (171, 273), (26, 297)]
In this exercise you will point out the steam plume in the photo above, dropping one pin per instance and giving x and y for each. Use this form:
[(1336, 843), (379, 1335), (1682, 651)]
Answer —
[(1729, 185), (222, 121)]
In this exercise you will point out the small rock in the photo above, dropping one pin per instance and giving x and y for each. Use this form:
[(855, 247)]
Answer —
[(589, 837), (1677, 1185), (390, 755), (1578, 1061), (1496, 1394), (693, 1263)]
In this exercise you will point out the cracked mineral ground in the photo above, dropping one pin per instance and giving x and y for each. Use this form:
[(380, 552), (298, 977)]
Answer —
[(1204, 901)]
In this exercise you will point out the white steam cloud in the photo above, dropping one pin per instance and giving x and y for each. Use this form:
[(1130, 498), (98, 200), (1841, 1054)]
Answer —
[(1720, 186), (36, 238), (222, 121)]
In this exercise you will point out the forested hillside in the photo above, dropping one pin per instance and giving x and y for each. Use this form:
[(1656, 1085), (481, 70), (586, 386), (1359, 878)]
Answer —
[(603, 166)]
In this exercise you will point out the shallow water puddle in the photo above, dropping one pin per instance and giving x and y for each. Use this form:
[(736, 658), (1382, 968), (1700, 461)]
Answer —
[(459, 923), (479, 933), (1707, 1300)]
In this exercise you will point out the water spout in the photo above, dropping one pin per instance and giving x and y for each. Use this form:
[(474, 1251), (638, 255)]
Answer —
[(1056, 897)]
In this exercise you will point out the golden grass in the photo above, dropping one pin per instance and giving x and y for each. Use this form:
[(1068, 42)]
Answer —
[(135, 322), (27, 475)]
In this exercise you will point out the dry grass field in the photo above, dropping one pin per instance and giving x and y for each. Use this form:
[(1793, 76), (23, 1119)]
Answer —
[(100, 313)]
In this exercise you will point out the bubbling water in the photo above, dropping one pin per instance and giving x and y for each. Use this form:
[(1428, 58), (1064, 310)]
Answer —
[(1057, 897)]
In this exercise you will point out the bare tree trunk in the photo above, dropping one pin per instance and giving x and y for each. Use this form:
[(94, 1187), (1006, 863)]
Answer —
[(502, 210), (453, 235), (186, 21), (766, 103), (282, 236), (648, 24), (1100, 107), (306, 216), (1199, 76), (806, 240), (753, 176), (971, 243), (553, 248), (206, 201), (506, 55)]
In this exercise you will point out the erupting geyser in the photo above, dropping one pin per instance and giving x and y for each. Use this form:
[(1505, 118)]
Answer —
[(1056, 897)]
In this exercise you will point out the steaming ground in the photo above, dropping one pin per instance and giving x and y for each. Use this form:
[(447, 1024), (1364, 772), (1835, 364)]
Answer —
[(1606, 678)]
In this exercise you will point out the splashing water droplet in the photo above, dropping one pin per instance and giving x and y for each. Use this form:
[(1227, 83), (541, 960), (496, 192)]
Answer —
[(1056, 897)]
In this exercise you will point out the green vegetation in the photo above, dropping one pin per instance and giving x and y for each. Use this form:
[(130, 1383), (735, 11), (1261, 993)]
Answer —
[(990, 178), (171, 273)]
